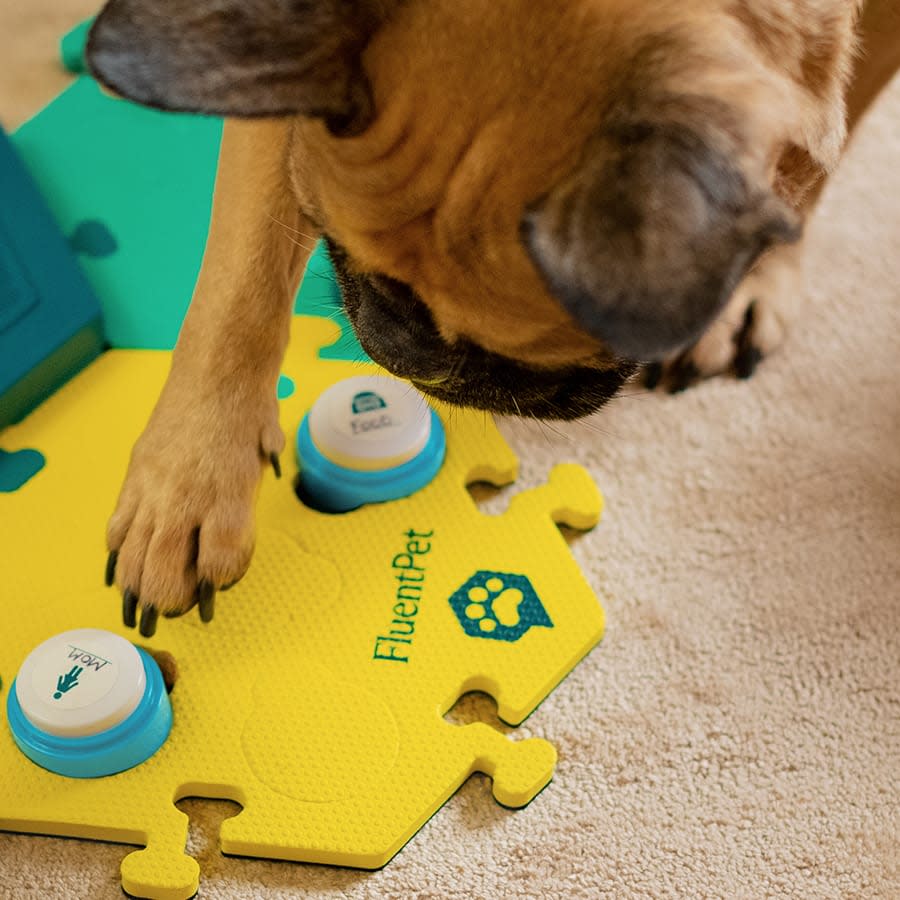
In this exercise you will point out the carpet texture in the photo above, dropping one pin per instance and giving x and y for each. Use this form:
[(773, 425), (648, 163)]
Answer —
[(737, 734)]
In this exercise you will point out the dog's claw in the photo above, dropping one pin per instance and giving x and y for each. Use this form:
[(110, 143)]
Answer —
[(747, 361), (111, 560), (748, 355), (129, 608), (149, 615), (653, 373), (207, 600), (276, 464), (684, 374)]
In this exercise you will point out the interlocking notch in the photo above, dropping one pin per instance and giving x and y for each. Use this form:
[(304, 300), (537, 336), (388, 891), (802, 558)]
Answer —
[(315, 699)]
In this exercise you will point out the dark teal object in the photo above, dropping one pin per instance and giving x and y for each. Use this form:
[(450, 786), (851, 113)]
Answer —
[(133, 188), (50, 321)]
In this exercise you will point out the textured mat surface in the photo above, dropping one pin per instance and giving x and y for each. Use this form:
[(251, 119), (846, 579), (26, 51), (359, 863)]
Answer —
[(316, 697)]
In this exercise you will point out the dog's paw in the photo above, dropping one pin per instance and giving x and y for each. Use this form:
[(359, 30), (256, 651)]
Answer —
[(184, 523), (752, 326)]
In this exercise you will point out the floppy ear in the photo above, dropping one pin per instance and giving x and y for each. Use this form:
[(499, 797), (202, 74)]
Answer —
[(646, 241), (241, 58)]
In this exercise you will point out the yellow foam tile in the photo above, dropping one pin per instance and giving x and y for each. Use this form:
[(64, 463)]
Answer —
[(316, 697)]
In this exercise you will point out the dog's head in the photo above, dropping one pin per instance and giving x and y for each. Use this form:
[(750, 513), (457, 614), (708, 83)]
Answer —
[(521, 200)]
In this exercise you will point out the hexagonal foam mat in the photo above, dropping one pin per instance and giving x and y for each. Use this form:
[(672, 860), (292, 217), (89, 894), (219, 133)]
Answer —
[(316, 697)]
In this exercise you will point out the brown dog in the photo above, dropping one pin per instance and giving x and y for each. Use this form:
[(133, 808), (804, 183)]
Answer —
[(522, 202)]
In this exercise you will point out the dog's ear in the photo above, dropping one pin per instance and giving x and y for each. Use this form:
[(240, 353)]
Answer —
[(645, 242), (241, 58)]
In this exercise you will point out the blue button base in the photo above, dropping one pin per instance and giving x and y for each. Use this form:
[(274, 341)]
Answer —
[(126, 745), (331, 488)]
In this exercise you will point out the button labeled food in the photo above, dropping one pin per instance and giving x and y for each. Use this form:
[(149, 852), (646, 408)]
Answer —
[(370, 423), (367, 439)]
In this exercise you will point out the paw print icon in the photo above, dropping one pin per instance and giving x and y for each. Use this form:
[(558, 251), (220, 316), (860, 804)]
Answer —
[(499, 606)]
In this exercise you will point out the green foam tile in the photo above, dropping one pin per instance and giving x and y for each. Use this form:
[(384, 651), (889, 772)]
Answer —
[(134, 189)]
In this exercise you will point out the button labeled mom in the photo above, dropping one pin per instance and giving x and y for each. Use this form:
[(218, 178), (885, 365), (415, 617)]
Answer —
[(88, 703)]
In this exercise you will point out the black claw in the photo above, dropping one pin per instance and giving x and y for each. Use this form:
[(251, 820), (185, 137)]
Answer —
[(149, 615), (229, 586), (207, 600), (276, 464), (111, 561), (653, 373), (684, 374), (749, 321), (747, 361), (129, 608), (748, 355)]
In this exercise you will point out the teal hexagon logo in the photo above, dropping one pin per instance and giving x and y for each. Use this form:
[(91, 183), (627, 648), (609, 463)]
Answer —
[(499, 606)]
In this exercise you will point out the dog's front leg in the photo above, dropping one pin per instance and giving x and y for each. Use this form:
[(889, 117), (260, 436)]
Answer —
[(184, 522)]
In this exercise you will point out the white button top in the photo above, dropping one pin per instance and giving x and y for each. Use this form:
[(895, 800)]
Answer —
[(370, 423), (80, 683)]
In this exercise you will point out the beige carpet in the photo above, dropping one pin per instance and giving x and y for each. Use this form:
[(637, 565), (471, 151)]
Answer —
[(737, 734)]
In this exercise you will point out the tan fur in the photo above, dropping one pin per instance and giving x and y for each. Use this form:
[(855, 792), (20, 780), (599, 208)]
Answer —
[(775, 289), (481, 109), (185, 513), (420, 196)]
